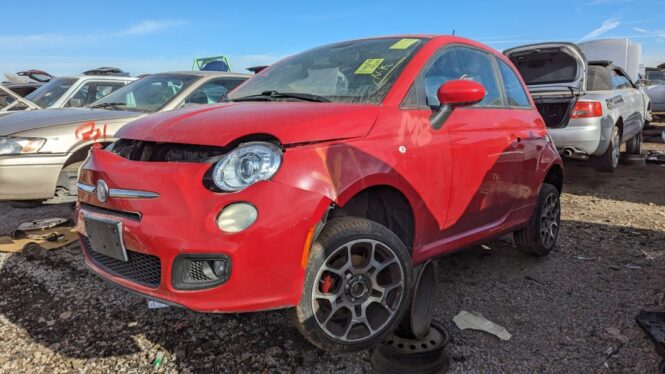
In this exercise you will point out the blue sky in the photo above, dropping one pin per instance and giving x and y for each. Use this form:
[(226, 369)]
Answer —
[(152, 36)]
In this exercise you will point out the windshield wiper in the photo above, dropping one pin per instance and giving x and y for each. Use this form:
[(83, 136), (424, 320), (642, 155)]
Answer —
[(272, 95), (114, 106)]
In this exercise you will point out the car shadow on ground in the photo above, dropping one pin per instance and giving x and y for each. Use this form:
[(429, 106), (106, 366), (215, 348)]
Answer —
[(65, 308), (627, 183)]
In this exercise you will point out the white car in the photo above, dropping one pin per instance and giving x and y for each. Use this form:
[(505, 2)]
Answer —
[(68, 92), (41, 150)]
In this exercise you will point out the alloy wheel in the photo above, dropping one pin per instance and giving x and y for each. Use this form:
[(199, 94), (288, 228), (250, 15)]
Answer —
[(358, 290), (549, 220)]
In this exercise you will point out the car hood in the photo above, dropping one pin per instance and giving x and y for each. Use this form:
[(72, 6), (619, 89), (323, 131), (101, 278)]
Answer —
[(37, 119), (290, 122), (550, 67)]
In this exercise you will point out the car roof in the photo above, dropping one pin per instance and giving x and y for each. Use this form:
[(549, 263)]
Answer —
[(82, 76), (205, 73)]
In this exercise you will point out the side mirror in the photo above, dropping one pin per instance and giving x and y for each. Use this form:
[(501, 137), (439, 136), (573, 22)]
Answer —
[(75, 103), (454, 94), (643, 83)]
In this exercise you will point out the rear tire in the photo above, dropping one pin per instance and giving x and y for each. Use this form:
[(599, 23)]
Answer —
[(634, 145), (539, 236), (609, 160), (358, 286)]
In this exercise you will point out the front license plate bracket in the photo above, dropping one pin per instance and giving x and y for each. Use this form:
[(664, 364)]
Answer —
[(105, 237)]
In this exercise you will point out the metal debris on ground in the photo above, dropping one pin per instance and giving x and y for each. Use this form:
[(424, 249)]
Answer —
[(35, 237), (582, 258), (656, 156), (41, 224), (466, 320), (653, 324)]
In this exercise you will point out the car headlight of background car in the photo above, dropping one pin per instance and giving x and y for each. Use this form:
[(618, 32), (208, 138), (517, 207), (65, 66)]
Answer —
[(246, 165), (15, 146)]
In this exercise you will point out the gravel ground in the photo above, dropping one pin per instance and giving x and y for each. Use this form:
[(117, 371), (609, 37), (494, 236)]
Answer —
[(572, 311)]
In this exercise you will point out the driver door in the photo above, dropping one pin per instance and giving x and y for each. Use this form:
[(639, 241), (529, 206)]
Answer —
[(486, 156)]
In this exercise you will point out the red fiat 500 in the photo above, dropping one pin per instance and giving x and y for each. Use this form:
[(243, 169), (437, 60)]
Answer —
[(321, 183)]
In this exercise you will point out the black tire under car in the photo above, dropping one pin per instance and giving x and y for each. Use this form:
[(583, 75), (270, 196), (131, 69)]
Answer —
[(634, 145), (634, 160), (356, 266), (539, 236), (609, 160)]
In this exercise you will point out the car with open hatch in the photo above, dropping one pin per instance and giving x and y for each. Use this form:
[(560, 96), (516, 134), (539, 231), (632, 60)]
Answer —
[(322, 182), (590, 108), (42, 150)]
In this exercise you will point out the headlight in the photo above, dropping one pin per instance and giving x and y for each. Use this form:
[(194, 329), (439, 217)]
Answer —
[(15, 146), (246, 165)]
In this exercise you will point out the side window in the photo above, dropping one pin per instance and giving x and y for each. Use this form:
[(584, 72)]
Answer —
[(462, 63), (619, 81), (104, 89), (213, 91), (514, 90), (91, 92)]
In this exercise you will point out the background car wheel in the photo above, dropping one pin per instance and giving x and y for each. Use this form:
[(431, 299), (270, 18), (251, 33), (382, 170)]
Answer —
[(539, 237), (634, 160), (357, 288), (609, 160), (634, 145)]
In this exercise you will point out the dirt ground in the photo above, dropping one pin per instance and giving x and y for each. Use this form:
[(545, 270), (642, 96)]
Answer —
[(572, 311)]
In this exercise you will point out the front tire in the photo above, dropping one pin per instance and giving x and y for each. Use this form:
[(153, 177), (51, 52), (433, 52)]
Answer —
[(540, 235), (358, 286), (634, 145), (609, 160)]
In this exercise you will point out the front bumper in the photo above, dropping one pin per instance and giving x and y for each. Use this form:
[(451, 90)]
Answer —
[(590, 136), (29, 177), (267, 258)]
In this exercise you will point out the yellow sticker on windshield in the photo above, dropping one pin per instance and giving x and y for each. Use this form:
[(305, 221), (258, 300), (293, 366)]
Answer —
[(403, 44), (369, 66)]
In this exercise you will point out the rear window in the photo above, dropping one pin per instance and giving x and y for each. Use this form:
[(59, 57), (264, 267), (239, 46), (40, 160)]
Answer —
[(545, 66)]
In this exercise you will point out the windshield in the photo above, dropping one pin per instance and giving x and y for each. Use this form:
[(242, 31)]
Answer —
[(656, 77), (352, 72), (48, 94), (149, 94)]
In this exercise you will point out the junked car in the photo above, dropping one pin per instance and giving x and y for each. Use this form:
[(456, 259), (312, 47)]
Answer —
[(41, 150), (321, 184), (656, 90), (35, 79), (72, 91), (590, 108)]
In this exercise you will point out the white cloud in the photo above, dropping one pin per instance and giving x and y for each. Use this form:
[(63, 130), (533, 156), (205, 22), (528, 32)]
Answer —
[(607, 25), (658, 35), (58, 39), (149, 26)]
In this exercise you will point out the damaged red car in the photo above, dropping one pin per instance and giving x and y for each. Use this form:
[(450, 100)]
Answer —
[(322, 182)]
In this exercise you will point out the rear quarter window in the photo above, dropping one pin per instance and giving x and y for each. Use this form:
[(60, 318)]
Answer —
[(515, 93)]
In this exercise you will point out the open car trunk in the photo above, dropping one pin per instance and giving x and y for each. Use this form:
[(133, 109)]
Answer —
[(555, 74), (555, 111)]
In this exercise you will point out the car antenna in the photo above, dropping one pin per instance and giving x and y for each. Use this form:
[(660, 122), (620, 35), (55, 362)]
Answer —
[(453, 32)]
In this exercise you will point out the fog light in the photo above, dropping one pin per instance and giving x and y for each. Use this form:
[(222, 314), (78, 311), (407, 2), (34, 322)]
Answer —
[(236, 217)]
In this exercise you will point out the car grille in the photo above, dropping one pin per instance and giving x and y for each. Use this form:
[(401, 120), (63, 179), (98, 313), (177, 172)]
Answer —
[(140, 268), (137, 150)]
